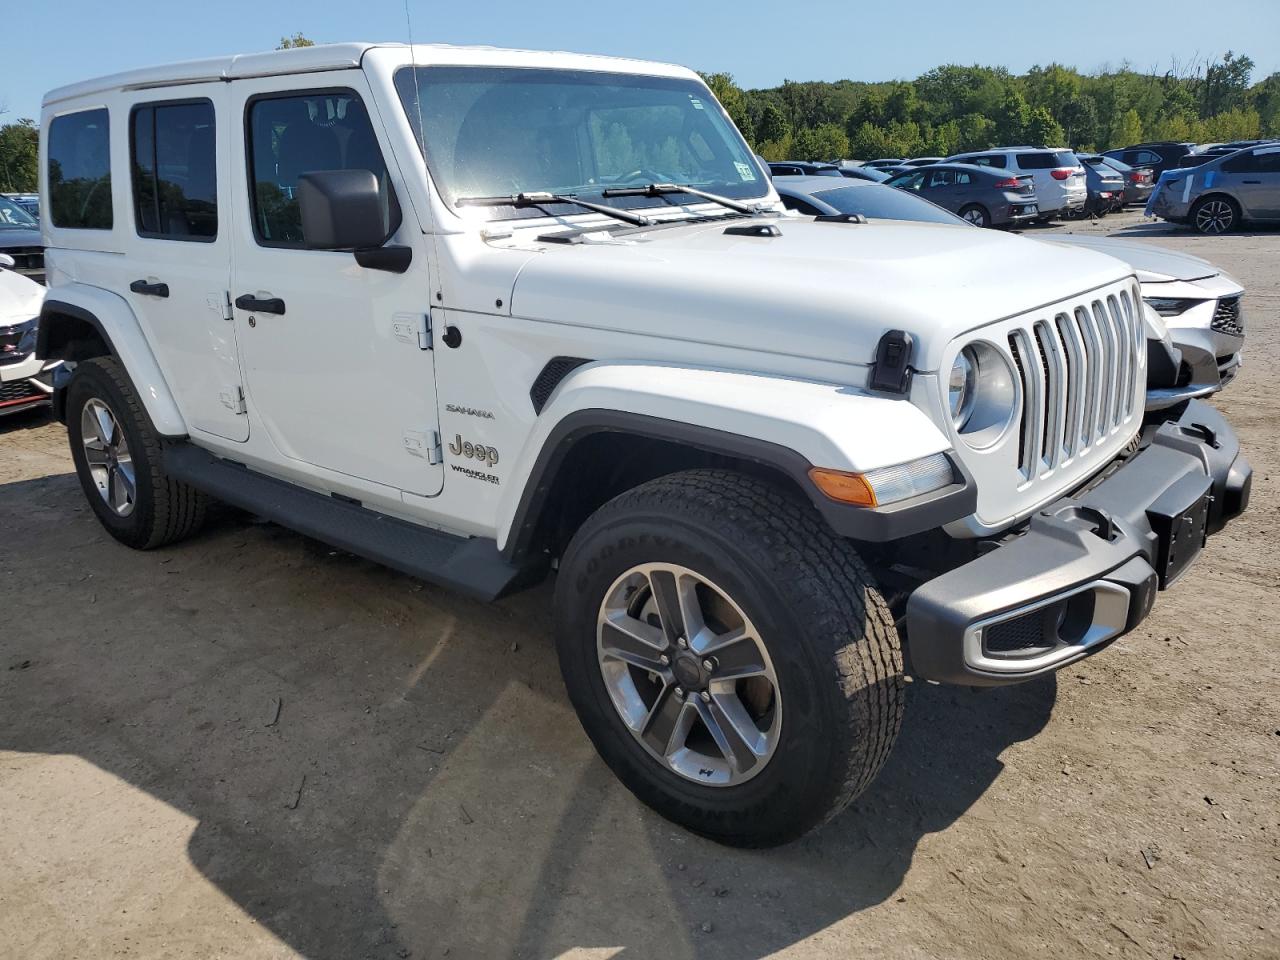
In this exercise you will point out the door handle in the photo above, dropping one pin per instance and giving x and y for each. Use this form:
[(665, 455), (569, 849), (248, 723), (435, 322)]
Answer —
[(150, 289), (270, 305)]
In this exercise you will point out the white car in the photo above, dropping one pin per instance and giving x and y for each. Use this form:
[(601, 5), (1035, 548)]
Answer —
[(1058, 173), (25, 381), (487, 315), (1202, 306)]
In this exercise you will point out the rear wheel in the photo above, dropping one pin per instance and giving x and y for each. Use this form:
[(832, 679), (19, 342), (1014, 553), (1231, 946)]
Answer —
[(729, 657), (1214, 215), (976, 214), (118, 460)]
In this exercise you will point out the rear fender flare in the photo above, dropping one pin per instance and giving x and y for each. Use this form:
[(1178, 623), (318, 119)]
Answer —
[(114, 320)]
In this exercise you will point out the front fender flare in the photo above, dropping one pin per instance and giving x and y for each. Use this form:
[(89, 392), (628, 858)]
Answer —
[(784, 423), (118, 327)]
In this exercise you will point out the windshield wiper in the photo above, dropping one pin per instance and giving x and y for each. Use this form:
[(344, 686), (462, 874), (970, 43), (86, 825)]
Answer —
[(538, 199), (661, 189)]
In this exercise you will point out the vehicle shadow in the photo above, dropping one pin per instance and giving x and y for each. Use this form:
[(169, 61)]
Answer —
[(25, 419), (379, 768)]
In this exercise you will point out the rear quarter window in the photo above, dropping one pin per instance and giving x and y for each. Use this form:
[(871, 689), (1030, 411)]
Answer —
[(1046, 160), (80, 170)]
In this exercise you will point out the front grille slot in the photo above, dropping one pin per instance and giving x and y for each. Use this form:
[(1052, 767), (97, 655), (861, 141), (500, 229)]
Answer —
[(1227, 318), (1079, 372)]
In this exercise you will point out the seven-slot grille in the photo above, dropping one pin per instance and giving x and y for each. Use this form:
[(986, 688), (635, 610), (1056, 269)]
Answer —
[(1226, 317), (1079, 372)]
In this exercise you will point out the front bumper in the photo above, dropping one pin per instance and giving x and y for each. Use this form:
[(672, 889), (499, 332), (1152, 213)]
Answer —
[(1086, 569), (26, 383)]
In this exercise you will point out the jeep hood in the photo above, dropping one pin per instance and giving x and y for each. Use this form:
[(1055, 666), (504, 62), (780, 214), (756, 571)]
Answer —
[(821, 290), (20, 298), (1151, 264)]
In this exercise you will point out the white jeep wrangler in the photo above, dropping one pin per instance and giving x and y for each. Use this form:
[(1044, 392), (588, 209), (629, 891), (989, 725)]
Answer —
[(483, 314)]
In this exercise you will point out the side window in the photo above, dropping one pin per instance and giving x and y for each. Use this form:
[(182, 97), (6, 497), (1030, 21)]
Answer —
[(175, 182), (942, 178), (1260, 161), (1147, 158), (80, 170), (297, 133), (800, 206), (963, 178), (912, 182), (987, 160)]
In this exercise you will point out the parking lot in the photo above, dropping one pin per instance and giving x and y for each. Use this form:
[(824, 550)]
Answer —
[(251, 745)]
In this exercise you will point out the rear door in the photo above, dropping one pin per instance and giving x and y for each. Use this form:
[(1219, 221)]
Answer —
[(940, 187), (1254, 179), (177, 249), (336, 355)]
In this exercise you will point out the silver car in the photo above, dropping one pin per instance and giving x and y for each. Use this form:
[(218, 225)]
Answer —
[(1223, 194)]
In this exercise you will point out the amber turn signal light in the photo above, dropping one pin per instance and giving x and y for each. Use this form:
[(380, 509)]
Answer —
[(844, 487)]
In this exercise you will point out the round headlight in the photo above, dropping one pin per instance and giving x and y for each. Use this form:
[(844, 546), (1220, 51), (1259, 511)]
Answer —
[(981, 394), (962, 386)]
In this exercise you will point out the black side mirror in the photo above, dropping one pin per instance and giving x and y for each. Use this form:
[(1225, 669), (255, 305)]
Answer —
[(341, 210), (344, 210)]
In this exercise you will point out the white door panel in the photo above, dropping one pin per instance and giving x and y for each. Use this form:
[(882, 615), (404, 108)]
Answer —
[(177, 264), (338, 379)]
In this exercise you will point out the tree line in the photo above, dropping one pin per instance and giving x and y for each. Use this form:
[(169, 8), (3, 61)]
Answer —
[(947, 110), (952, 109)]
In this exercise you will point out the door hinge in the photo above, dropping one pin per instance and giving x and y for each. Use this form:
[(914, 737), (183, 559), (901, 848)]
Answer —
[(413, 328), (425, 444), (232, 397)]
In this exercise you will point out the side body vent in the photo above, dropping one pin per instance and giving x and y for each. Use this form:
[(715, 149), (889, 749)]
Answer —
[(557, 369)]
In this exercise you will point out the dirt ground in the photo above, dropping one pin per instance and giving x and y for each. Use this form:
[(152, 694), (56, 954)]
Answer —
[(251, 746)]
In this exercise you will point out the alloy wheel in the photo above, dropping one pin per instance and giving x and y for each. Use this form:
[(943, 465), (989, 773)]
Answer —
[(107, 454), (689, 674), (1215, 216)]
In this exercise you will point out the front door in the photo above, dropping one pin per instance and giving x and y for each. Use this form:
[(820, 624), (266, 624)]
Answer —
[(1254, 177), (177, 265), (335, 355)]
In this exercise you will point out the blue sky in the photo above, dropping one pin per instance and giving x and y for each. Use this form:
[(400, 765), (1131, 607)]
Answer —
[(52, 42)]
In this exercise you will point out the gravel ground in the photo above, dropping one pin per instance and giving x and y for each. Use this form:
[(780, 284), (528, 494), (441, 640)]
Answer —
[(249, 745)]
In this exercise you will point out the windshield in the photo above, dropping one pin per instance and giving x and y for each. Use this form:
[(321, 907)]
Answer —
[(12, 215), (499, 131), (885, 203)]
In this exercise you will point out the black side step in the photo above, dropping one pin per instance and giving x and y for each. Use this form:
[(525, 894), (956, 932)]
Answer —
[(471, 565)]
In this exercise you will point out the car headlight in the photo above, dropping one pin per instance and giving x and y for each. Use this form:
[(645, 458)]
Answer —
[(1171, 306), (981, 394), (19, 339), (960, 387)]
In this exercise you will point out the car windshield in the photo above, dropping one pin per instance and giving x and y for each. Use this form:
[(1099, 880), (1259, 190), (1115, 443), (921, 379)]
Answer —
[(501, 131), (13, 216), (885, 203)]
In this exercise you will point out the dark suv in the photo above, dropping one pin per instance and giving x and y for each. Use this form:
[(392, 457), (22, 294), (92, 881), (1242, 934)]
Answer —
[(1159, 156)]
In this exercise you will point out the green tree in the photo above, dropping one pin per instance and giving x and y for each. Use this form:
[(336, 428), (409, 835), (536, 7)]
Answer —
[(868, 143), (1233, 125), (1052, 87), (19, 145), (1127, 130), (824, 142), (1079, 118), (294, 42), (1013, 118), (772, 124), (976, 132), (1225, 84), (1043, 130)]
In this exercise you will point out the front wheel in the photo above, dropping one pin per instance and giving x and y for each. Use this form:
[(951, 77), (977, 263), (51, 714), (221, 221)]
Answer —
[(730, 658)]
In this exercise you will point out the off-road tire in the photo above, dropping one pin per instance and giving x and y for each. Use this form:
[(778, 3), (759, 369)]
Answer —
[(826, 627), (165, 510)]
